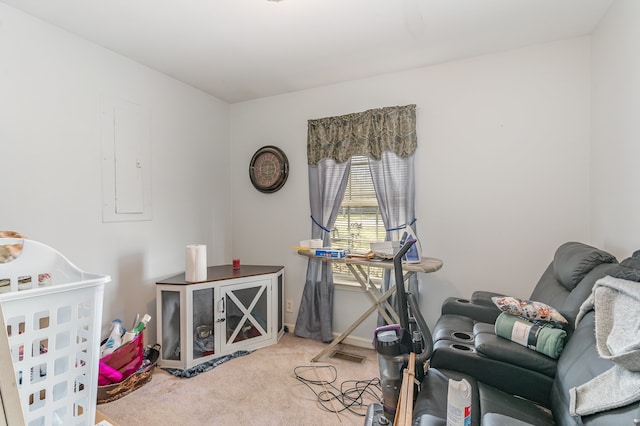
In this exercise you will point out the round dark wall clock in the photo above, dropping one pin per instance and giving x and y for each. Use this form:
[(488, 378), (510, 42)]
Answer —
[(268, 169)]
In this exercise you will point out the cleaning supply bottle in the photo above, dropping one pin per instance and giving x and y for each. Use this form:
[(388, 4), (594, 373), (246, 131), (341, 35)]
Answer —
[(459, 403), (130, 335), (115, 337)]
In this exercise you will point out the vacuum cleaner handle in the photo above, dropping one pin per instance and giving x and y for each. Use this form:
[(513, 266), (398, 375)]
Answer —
[(401, 295), (403, 300)]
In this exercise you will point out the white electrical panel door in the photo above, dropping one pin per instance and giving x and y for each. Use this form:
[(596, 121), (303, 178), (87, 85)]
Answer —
[(131, 132), (126, 162)]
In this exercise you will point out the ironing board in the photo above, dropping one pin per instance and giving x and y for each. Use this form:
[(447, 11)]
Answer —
[(359, 269)]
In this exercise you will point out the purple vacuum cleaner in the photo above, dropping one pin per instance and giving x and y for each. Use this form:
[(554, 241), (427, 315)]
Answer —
[(395, 342)]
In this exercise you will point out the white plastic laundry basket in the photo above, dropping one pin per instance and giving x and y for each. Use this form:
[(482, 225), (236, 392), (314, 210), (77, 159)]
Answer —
[(53, 313)]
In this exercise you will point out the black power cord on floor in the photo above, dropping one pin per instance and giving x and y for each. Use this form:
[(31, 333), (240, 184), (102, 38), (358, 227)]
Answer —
[(352, 395)]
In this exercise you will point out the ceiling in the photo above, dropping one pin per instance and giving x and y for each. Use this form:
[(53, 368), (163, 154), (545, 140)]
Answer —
[(239, 50)]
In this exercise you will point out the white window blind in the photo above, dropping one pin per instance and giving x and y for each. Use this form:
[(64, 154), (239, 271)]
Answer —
[(359, 222)]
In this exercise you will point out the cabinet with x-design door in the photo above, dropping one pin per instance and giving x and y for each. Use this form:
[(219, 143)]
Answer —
[(234, 309)]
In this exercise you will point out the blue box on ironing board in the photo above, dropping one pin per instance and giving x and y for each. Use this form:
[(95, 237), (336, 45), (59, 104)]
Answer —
[(329, 252)]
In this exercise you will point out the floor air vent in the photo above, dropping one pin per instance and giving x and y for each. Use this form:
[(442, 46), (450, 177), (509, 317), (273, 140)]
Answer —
[(348, 357)]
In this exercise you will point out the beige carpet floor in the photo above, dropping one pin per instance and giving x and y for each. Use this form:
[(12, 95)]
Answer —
[(255, 389)]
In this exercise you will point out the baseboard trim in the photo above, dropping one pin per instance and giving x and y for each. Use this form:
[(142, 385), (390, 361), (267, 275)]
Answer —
[(360, 342)]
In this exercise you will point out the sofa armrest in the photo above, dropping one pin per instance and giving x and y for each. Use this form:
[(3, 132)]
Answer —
[(510, 378), (468, 308), (484, 298), (490, 345)]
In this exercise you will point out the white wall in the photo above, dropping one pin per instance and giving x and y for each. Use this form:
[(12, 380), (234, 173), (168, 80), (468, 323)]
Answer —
[(503, 158), (615, 204), (502, 176), (51, 87)]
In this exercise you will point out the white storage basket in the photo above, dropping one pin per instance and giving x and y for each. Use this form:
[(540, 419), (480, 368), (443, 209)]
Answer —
[(53, 313)]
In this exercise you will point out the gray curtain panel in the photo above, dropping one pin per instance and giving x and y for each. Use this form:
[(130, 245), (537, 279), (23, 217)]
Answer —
[(327, 183), (394, 182), (388, 137)]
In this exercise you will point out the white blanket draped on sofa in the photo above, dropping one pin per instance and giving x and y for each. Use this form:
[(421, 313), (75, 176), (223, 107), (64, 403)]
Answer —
[(617, 307)]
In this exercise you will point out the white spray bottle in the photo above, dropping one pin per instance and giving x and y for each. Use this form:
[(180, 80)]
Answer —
[(459, 403), (115, 338)]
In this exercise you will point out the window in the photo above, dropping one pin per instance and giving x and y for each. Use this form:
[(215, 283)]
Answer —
[(359, 222)]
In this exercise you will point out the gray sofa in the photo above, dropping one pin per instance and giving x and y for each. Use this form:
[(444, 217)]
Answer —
[(514, 389), (465, 341), (492, 405)]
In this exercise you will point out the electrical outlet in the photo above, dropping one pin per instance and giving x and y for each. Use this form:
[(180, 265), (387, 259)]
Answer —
[(289, 305)]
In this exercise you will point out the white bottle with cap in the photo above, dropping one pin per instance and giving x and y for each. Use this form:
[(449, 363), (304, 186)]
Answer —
[(459, 403), (130, 335)]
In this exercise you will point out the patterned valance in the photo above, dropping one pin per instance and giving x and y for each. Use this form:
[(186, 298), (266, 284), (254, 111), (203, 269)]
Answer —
[(367, 133)]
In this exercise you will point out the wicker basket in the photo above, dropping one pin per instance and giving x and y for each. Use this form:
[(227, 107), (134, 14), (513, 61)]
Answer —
[(116, 391), (127, 360)]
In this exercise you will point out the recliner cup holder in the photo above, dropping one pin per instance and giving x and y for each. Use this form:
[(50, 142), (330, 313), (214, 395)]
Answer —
[(462, 336), (463, 348)]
